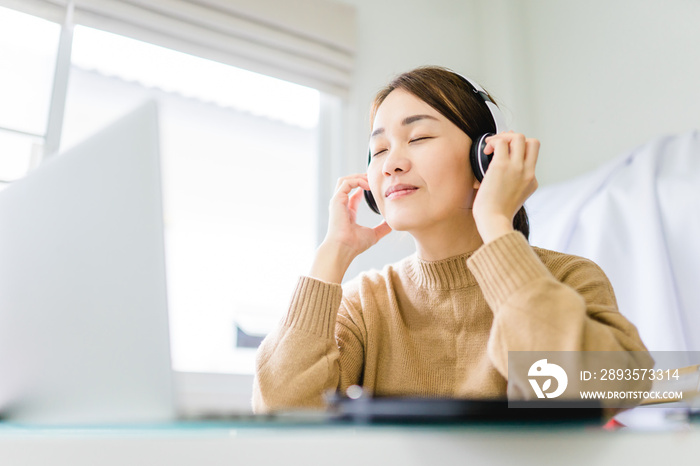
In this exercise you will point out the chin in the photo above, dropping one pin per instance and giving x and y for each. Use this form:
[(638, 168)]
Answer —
[(404, 221)]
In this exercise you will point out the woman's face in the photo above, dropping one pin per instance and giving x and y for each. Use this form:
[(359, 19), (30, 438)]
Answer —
[(424, 159)]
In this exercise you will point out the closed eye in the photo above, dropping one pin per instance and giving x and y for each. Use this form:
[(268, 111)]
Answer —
[(410, 141)]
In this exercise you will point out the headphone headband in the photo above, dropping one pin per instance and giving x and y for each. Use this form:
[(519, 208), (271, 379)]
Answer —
[(496, 113)]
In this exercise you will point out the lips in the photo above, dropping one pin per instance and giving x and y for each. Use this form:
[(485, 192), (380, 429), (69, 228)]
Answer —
[(399, 189)]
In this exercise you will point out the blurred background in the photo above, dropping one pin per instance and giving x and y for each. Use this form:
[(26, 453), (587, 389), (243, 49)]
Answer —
[(265, 103)]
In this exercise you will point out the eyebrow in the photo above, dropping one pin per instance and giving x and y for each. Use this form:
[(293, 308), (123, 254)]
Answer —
[(406, 121)]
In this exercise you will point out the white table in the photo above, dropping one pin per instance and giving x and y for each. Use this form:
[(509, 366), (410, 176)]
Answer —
[(272, 444)]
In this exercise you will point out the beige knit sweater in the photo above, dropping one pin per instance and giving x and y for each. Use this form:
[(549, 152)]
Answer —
[(441, 328)]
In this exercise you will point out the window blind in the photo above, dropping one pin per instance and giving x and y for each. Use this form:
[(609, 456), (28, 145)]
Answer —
[(309, 42)]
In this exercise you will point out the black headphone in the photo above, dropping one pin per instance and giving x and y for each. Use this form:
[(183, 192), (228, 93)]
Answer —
[(478, 159)]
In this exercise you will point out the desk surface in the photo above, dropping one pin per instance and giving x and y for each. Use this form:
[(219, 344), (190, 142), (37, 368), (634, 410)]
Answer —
[(275, 443)]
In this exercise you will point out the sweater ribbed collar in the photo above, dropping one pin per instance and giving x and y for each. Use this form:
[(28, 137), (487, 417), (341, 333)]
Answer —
[(445, 274)]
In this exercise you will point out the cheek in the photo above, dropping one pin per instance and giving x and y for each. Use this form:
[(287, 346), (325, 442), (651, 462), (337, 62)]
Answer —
[(454, 182), (374, 179)]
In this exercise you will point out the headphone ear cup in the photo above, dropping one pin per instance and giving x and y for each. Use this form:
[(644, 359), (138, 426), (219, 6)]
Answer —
[(478, 159), (368, 194), (371, 202)]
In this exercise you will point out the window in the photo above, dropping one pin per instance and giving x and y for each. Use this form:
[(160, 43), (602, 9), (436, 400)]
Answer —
[(28, 48), (239, 174), (245, 190)]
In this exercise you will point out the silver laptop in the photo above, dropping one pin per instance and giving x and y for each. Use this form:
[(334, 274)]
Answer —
[(84, 332)]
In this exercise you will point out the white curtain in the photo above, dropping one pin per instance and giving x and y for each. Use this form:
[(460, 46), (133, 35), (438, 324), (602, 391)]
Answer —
[(309, 42), (638, 217)]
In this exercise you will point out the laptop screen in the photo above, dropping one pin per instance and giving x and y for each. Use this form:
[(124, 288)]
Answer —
[(83, 317)]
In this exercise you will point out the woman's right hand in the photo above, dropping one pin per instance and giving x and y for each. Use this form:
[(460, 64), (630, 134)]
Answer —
[(345, 239)]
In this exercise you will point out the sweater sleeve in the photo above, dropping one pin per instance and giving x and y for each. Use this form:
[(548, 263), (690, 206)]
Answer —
[(314, 349), (536, 311)]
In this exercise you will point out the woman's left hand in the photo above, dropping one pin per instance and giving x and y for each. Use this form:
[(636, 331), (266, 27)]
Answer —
[(509, 181)]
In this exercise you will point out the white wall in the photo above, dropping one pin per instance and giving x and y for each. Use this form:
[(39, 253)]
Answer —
[(589, 79), (594, 79)]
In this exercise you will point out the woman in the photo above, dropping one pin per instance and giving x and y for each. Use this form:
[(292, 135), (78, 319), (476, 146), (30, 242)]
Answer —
[(441, 321)]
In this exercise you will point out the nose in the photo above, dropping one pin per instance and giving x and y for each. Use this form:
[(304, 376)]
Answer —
[(396, 161)]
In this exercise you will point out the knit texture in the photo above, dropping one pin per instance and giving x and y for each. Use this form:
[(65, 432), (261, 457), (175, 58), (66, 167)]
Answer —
[(438, 328)]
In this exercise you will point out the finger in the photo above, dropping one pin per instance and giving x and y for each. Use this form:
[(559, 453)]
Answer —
[(500, 149), (531, 153), (510, 134), (382, 230), (350, 177), (488, 148), (342, 179), (491, 141), (355, 199), (510, 137), (343, 198), (517, 150), (349, 183), (532, 150), (490, 145)]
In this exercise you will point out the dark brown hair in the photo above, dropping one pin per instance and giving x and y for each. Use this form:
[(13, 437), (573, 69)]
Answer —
[(452, 96)]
